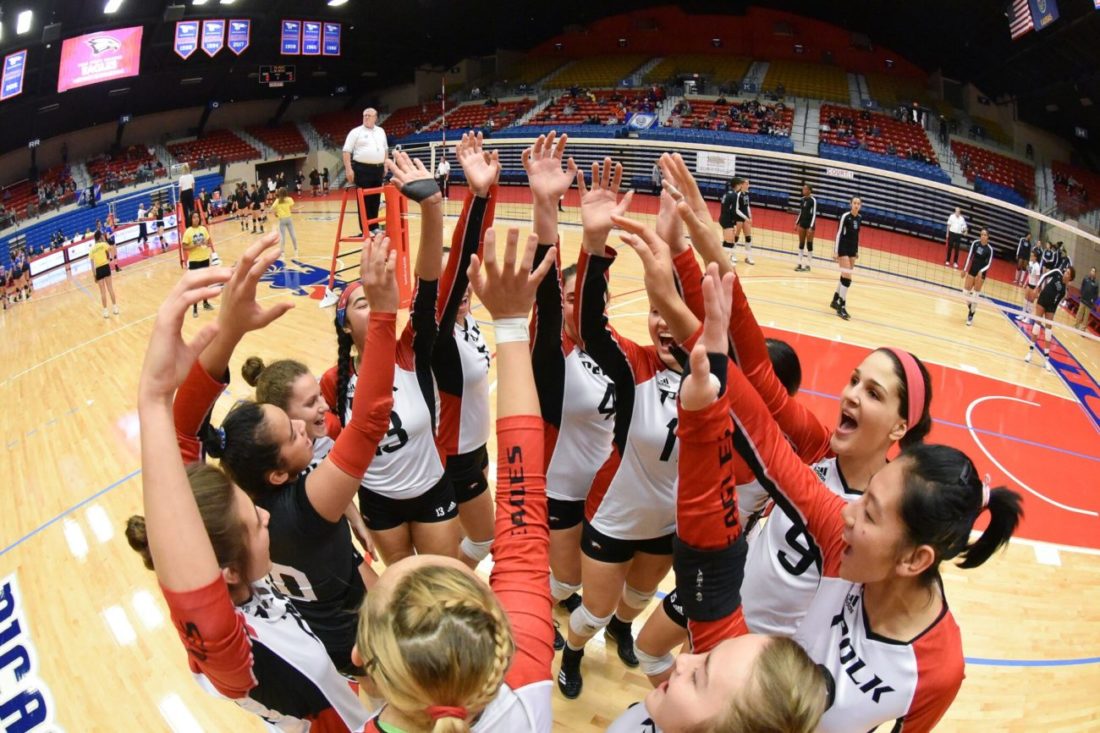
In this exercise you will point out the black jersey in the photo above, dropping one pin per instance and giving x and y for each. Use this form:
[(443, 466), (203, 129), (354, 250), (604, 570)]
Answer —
[(1048, 258), (1063, 262), (979, 258), (743, 209), (847, 233), (1051, 290), (1023, 248), (807, 212), (729, 203), (259, 196)]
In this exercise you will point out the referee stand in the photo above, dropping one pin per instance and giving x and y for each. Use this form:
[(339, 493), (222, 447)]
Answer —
[(392, 218)]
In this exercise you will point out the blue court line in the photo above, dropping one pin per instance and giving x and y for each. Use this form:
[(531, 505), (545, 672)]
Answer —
[(982, 431)]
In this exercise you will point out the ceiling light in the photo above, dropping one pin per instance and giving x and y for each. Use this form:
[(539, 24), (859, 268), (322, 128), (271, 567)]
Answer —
[(198, 2), (23, 22), (337, 3), (227, 2), (112, 6)]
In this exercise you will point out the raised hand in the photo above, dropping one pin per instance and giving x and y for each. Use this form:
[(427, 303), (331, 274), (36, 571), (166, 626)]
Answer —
[(169, 358), (700, 388), (670, 227), (600, 201), (545, 176), (482, 169), (240, 312), (655, 255), (413, 179), (377, 266), (508, 290), (678, 181)]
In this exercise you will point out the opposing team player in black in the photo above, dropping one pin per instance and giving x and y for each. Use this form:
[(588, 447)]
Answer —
[(742, 214), (978, 260), (807, 218), (847, 251), (1023, 256), (726, 218), (1052, 290)]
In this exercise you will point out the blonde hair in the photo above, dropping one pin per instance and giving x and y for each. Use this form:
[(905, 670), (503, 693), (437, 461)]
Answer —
[(787, 694), (441, 639), (274, 382)]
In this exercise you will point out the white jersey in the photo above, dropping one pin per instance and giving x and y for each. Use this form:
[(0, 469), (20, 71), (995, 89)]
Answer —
[(635, 720), (587, 424), (640, 502), (474, 423), (407, 462), (1034, 272), (879, 680), (782, 568)]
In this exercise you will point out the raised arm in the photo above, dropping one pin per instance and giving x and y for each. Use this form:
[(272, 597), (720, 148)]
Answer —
[(521, 551), (417, 184)]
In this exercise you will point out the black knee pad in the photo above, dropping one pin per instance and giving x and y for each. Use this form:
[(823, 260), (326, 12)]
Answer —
[(845, 280), (708, 582)]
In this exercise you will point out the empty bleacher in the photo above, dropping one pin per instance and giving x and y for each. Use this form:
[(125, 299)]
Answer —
[(477, 115), (890, 90), (285, 139), (534, 68), (214, 147), (1076, 190), (718, 69), (747, 117), (983, 167), (600, 71), (815, 81)]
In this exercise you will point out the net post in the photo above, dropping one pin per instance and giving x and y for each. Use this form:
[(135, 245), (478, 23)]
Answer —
[(180, 229)]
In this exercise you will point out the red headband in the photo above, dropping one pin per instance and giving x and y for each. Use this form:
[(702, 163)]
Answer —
[(345, 297), (435, 712), (914, 383)]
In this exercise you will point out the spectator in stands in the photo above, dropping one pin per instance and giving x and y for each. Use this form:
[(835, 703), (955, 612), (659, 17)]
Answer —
[(324, 181), (1089, 291), (365, 155)]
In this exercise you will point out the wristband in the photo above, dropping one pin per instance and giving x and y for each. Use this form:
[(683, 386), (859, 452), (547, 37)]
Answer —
[(421, 189), (510, 330)]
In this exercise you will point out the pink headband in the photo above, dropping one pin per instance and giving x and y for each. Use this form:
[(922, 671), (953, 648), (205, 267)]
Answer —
[(914, 382)]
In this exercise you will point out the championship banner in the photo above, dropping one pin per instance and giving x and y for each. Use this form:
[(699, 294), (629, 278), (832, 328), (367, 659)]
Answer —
[(186, 40), (96, 57), (311, 38), (240, 35), (11, 84), (641, 121), (290, 41), (213, 36), (332, 38)]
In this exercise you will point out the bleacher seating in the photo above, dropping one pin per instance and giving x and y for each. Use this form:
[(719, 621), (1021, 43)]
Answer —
[(333, 127), (17, 197), (916, 168), (477, 115), (876, 133), (534, 68), (718, 69), (600, 71), (890, 90), (746, 117), (285, 139), (114, 171), (816, 81), (1000, 170), (1076, 190), (597, 107), (989, 130), (215, 147)]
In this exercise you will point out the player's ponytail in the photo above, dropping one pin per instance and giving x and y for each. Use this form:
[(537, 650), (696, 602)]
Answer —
[(785, 364), (343, 371), (274, 382), (943, 497)]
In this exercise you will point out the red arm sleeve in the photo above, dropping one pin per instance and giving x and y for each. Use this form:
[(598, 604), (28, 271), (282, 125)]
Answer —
[(521, 550), (792, 484), (328, 390), (332, 425), (809, 436), (194, 400), (691, 281), (370, 412), (214, 635)]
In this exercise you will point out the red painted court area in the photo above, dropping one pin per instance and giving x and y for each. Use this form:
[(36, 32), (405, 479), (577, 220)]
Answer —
[(1043, 446)]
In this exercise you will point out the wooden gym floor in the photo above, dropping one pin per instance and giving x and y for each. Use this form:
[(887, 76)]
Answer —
[(92, 649)]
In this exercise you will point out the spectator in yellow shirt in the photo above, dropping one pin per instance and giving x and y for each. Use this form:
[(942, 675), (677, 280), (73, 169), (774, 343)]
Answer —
[(100, 255), (283, 203), (196, 243)]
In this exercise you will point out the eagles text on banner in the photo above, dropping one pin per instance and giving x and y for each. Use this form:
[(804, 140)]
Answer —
[(187, 38), (213, 36), (332, 38), (240, 35), (290, 42)]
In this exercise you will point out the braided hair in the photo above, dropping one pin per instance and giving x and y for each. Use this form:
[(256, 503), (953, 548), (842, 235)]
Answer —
[(343, 370)]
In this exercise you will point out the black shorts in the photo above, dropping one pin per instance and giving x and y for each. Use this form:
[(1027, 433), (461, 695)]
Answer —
[(599, 546), (847, 250), (726, 223), (1048, 307), (674, 609), (805, 227), (256, 206), (467, 474), (197, 265), (437, 504), (103, 271), (975, 270), (564, 514)]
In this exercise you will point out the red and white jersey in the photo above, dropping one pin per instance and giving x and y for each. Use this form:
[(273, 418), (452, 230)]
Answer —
[(263, 656), (635, 720), (781, 575), (474, 422)]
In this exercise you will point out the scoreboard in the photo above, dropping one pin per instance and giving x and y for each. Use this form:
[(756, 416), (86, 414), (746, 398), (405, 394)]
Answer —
[(276, 75)]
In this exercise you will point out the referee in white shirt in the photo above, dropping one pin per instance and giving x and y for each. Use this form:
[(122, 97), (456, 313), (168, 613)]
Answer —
[(365, 153), (956, 228)]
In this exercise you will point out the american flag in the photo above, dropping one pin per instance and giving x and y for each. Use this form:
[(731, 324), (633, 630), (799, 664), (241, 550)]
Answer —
[(1020, 24)]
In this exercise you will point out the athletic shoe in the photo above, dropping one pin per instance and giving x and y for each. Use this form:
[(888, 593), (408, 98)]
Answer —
[(571, 603), (733, 258), (116, 309), (956, 265), (570, 680), (799, 268), (206, 306), (195, 313), (947, 263), (1030, 351), (559, 640), (835, 305), (970, 320), (750, 260), (843, 312), (1049, 366), (106, 313), (621, 633)]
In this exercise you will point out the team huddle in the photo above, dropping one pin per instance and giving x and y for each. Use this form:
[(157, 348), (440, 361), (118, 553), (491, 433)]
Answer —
[(806, 563)]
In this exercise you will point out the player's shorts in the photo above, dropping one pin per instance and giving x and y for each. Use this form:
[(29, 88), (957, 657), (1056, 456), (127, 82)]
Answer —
[(1047, 305), (467, 474), (801, 225), (674, 609), (726, 222), (198, 265), (564, 513), (847, 250), (975, 270), (381, 512), (598, 546), (102, 272)]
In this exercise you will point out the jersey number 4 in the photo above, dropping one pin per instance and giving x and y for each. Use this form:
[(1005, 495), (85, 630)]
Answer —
[(607, 404)]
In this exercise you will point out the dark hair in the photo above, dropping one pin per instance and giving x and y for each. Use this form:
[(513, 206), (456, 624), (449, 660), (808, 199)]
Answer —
[(941, 499), (214, 497), (1072, 273), (248, 452), (806, 185), (272, 381), (785, 364), (343, 369), (98, 235), (568, 272), (736, 181), (915, 433)]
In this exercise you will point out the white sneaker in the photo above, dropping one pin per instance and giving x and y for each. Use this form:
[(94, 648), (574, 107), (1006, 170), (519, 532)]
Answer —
[(733, 259), (750, 260), (115, 309), (1048, 366), (1028, 357), (106, 313)]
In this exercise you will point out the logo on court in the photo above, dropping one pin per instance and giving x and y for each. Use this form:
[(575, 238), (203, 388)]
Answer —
[(301, 279), (25, 701)]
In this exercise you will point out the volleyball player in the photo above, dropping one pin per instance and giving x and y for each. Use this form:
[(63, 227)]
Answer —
[(460, 364), (207, 541), (1049, 256), (284, 216), (101, 267), (742, 215), (4, 284), (445, 650), (978, 259), (1034, 273), (732, 681), (846, 252), (630, 510), (243, 206), (407, 498), (726, 218), (24, 280), (1051, 292), (196, 243), (576, 397), (804, 226), (1023, 257), (109, 235), (256, 201)]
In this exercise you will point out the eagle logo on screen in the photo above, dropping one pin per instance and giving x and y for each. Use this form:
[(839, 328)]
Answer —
[(102, 44)]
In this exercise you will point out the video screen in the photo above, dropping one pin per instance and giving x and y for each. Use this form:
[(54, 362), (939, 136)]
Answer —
[(99, 57)]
